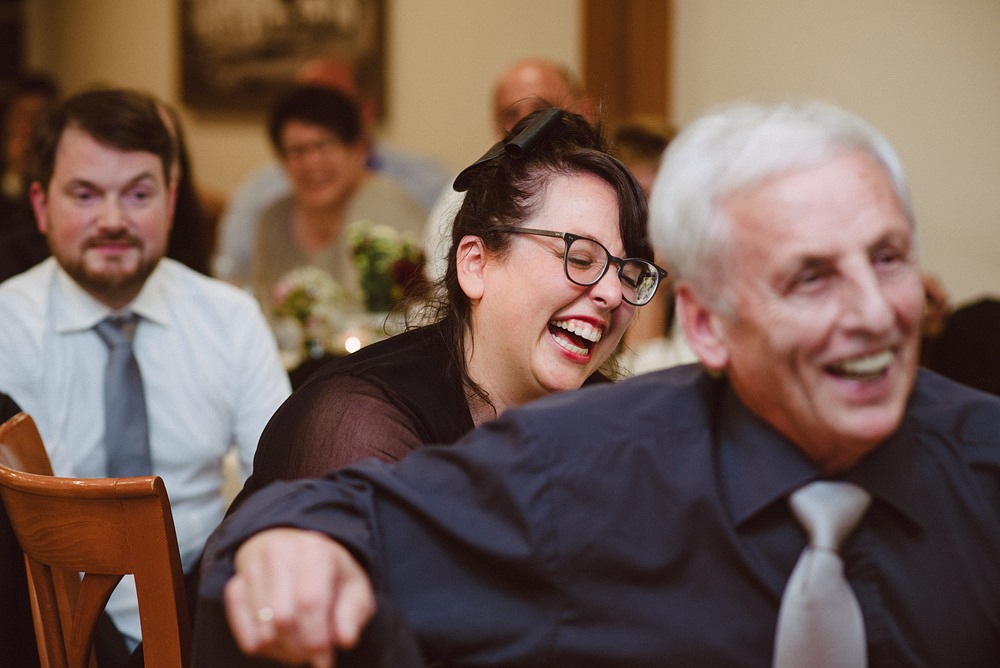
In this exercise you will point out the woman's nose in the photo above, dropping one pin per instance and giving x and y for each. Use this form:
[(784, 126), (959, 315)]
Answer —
[(608, 290)]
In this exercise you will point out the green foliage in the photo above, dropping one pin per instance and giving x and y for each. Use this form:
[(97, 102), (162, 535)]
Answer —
[(387, 262)]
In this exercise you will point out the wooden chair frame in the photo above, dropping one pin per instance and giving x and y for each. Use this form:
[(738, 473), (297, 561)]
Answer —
[(103, 528)]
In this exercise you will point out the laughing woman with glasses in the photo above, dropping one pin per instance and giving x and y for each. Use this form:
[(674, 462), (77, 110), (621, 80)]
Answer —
[(549, 260)]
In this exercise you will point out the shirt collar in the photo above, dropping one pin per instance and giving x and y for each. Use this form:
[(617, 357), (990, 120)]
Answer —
[(897, 471), (78, 311), (758, 466)]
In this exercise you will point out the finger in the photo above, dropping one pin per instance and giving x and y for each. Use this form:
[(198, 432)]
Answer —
[(315, 635), (261, 603), (270, 587), (322, 660), (303, 602), (241, 616), (354, 607)]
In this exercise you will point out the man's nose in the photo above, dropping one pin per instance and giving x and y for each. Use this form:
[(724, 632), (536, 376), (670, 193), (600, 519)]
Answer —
[(868, 306), (113, 215)]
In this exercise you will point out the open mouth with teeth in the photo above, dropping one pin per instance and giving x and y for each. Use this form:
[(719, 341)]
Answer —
[(575, 336), (863, 369)]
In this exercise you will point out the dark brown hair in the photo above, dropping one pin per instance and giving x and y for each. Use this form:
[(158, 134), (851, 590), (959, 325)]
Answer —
[(122, 119), (507, 190), (316, 105)]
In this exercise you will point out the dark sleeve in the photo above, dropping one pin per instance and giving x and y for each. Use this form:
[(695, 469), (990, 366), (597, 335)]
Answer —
[(329, 424), (8, 408), (460, 538)]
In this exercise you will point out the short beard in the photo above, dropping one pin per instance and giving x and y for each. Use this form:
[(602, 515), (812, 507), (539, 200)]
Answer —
[(114, 287)]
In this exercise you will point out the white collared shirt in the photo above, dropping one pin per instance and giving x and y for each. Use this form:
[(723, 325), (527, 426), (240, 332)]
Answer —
[(211, 377)]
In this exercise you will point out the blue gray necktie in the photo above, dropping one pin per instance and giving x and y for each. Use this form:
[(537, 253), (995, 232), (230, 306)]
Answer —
[(820, 623), (126, 431)]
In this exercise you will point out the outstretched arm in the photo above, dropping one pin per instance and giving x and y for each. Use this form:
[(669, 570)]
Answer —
[(297, 596)]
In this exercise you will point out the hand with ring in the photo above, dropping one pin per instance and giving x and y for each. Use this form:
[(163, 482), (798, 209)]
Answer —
[(296, 597)]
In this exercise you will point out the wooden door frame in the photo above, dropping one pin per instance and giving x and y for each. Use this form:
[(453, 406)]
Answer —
[(627, 59)]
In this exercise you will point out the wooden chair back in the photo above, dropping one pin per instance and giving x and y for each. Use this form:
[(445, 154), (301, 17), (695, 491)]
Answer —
[(102, 528), (21, 446)]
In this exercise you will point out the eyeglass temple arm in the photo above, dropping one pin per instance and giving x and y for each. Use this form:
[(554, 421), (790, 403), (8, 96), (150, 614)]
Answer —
[(531, 230)]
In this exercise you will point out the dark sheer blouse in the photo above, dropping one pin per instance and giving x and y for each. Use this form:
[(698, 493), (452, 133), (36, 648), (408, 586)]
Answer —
[(384, 401)]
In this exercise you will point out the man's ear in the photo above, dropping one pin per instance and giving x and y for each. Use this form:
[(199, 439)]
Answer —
[(172, 201), (470, 260), (360, 152), (704, 329), (40, 206)]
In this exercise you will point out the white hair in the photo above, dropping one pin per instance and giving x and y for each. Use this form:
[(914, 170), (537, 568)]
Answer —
[(737, 147)]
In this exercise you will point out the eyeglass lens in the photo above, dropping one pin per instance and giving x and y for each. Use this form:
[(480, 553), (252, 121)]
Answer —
[(297, 152), (587, 260)]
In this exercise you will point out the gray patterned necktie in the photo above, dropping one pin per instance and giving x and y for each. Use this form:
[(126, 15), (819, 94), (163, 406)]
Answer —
[(126, 431), (820, 623)]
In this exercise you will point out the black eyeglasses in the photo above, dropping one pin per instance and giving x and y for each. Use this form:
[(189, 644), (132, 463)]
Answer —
[(585, 262)]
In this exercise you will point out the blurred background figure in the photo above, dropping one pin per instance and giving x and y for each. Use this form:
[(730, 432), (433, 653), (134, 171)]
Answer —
[(640, 142), (536, 83), (29, 97), (24, 102), (319, 137), (967, 348), (423, 178), (525, 86), (656, 339)]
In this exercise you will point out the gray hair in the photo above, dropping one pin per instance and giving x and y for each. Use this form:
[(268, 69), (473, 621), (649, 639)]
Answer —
[(738, 147)]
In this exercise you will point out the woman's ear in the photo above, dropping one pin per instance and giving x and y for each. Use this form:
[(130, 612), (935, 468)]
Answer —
[(470, 260), (705, 330)]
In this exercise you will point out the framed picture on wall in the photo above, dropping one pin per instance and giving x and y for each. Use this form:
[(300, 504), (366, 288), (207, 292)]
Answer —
[(238, 54)]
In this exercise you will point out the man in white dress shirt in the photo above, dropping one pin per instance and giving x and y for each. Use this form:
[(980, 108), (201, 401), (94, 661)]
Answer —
[(103, 195)]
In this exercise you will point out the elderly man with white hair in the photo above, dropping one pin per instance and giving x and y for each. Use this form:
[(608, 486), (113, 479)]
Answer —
[(804, 496)]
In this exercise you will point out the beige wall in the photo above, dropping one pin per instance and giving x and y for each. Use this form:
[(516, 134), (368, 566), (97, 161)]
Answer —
[(925, 71)]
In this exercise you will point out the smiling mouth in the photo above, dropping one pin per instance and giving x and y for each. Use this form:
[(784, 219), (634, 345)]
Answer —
[(863, 369), (575, 336)]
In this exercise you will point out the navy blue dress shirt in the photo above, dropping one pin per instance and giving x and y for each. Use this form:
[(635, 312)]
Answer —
[(646, 524)]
